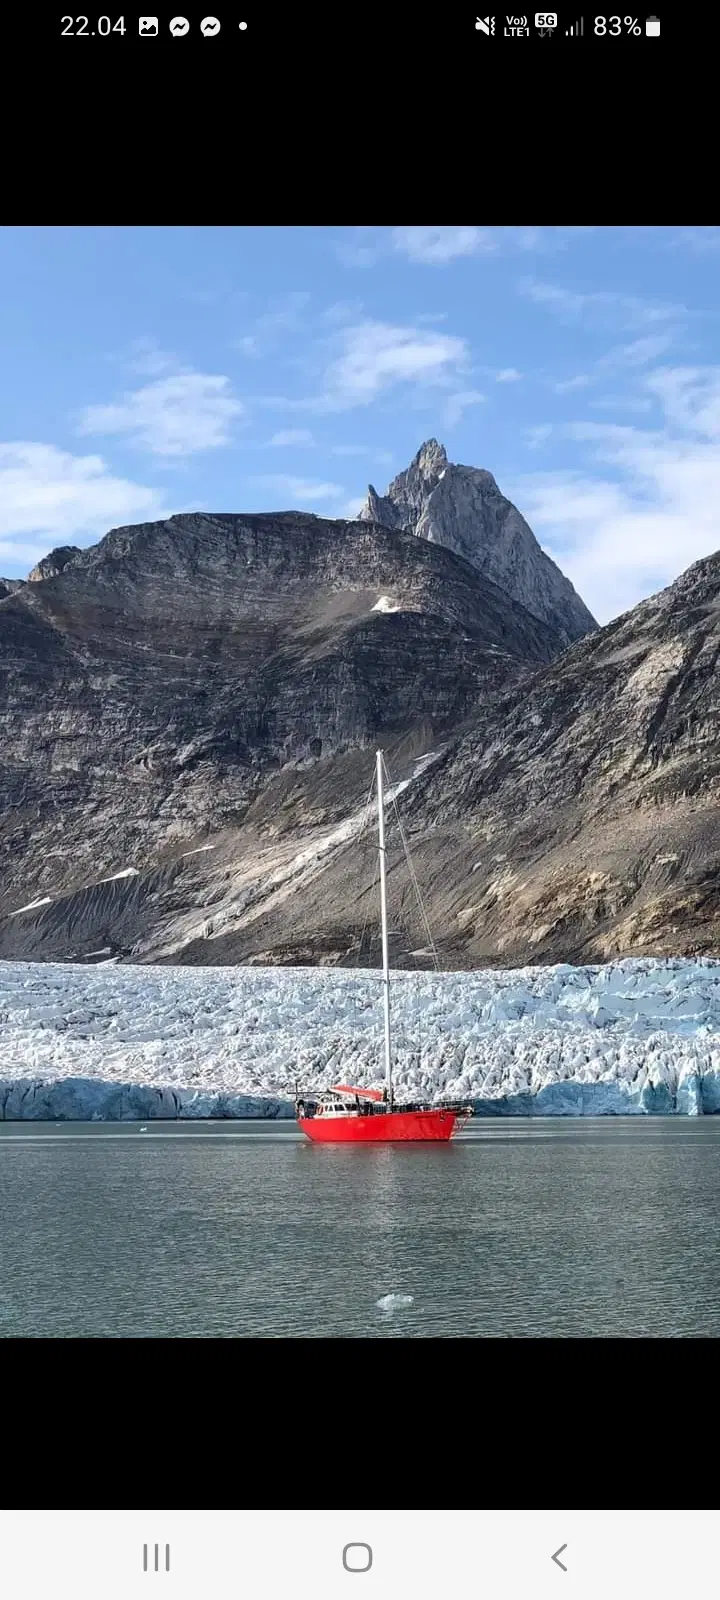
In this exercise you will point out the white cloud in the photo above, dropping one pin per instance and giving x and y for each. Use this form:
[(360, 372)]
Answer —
[(377, 356), (439, 245), (363, 247), (545, 241), (49, 497), (567, 385), (373, 358), (508, 375), (636, 354), (604, 308), (283, 316), (619, 403), (622, 536), (436, 246), (290, 438), (351, 507), (690, 397), (620, 360), (539, 435), (342, 311), (175, 416), (300, 489), (360, 247), (285, 312), (457, 405), (147, 358)]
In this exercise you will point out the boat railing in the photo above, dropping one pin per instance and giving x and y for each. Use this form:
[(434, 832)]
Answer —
[(312, 1105)]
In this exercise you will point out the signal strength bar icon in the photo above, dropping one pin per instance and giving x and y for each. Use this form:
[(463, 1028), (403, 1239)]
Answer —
[(576, 29)]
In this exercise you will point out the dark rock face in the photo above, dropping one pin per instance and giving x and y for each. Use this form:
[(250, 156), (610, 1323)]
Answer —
[(591, 799), (463, 509), (188, 717), (575, 818), (211, 674), (51, 566), (9, 585)]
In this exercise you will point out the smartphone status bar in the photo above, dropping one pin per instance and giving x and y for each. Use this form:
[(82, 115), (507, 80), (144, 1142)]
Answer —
[(544, 25), (215, 29)]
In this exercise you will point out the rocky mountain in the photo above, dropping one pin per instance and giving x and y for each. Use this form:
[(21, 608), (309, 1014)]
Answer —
[(575, 818), (51, 566), (182, 702), (589, 802), (462, 509), (9, 585), (188, 713)]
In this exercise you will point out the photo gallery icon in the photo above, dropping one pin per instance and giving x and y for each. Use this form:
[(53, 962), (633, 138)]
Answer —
[(148, 26)]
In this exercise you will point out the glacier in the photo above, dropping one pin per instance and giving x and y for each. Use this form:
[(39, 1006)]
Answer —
[(126, 1043)]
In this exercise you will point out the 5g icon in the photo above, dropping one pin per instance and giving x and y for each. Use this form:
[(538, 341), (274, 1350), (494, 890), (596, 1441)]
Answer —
[(546, 19)]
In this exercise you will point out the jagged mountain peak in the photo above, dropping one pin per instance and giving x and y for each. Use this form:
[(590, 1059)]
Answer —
[(53, 564), (462, 508), (430, 461)]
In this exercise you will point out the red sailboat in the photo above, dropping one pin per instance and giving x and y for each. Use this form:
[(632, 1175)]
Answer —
[(353, 1115)]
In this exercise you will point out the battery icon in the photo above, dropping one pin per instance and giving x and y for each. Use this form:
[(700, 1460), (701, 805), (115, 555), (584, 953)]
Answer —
[(652, 27)]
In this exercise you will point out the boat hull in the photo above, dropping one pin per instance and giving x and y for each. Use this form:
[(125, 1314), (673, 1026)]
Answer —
[(394, 1127)]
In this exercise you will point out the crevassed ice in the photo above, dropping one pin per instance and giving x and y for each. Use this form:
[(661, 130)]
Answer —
[(629, 1036)]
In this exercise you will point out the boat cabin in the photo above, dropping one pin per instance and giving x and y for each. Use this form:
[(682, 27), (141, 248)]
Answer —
[(344, 1101)]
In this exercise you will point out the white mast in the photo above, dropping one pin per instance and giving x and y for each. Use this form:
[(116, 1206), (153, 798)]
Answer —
[(383, 909)]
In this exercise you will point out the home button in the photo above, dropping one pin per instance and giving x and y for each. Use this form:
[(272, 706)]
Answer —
[(357, 1558)]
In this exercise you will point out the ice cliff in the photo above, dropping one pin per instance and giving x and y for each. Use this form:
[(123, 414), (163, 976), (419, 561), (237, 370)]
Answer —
[(124, 1043)]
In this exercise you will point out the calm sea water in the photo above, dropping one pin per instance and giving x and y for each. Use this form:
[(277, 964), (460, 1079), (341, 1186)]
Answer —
[(557, 1229)]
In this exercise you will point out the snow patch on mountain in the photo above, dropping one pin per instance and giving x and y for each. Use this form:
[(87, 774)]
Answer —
[(32, 906)]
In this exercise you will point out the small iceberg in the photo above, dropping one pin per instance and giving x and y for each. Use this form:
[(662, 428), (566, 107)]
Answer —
[(393, 1302)]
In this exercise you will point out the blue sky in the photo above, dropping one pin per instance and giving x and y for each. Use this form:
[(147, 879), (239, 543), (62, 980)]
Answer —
[(147, 371)]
